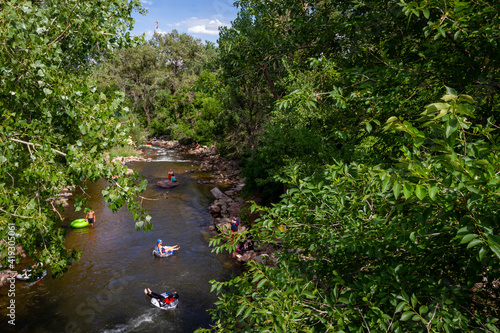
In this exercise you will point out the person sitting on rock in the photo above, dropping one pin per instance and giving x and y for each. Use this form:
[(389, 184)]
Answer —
[(246, 245)]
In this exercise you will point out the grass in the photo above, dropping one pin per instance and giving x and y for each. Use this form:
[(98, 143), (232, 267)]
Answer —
[(123, 152)]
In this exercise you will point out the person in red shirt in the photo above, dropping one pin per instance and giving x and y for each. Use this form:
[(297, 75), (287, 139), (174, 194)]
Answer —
[(166, 300), (235, 222)]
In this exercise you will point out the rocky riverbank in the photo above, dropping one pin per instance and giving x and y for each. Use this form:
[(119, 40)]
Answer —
[(5, 275), (228, 203)]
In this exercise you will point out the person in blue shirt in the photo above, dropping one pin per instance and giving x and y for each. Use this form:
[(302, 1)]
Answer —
[(165, 249), (235, 222)]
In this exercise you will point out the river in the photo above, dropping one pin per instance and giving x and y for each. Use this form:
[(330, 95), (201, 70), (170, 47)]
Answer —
[(103, 291)]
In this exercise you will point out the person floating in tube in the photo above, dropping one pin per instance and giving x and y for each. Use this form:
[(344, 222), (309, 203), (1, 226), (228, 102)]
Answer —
[(165, 249), (167, 300)]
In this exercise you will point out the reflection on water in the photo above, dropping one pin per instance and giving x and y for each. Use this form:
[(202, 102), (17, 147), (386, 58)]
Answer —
[(103, 292)]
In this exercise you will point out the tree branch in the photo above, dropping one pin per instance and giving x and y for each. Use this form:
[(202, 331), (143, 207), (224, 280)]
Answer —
[(37, 145)]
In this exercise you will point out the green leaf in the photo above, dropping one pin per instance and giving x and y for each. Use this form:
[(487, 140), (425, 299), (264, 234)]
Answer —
[(407, 315), (495, 247), (474, 242), (400, 307), (451, 126), (368, 127), (426, 13), (420, 191), (309, 294), (468, 238), (408, 190), (451, 91), (414, 301), (482, 252), (261, 283), (433, 189), (241, 309), (396, 188), (344, 300), (248, 312), (416, 318), (467, 98), (448, 98), (386, 184)]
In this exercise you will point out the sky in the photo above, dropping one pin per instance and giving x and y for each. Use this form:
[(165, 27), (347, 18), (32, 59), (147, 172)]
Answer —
[(199, 18)]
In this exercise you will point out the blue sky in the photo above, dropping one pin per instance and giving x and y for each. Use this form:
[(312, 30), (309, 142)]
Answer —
[(198, 18)]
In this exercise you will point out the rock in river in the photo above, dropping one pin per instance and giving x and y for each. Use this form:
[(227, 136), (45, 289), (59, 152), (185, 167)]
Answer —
[(167, 183)]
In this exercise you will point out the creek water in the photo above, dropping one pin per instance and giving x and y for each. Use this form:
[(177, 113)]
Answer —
[(103, 291)]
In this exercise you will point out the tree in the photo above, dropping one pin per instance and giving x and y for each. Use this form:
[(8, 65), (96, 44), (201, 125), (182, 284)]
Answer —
[(54, 126), (382, 228), (138, 74), (373, 248), (182, 54), (151, 73), (356, 64)]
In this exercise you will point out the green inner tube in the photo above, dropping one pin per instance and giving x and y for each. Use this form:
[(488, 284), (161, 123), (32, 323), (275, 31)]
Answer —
[(80, 223)]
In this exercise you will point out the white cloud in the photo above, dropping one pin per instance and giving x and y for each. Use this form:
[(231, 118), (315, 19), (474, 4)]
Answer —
[(205, 26), (202, 30), (193, 25), (201, 26), (146, 2)]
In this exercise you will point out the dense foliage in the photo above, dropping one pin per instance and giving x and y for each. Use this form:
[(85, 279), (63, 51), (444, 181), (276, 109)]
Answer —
[(385, 206), (167, 85), (389, 219), (385, 249), (338, 69), (54, 125)]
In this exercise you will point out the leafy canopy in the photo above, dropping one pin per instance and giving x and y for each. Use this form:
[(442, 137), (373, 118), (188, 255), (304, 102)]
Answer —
[(54, 125), (377, 248)]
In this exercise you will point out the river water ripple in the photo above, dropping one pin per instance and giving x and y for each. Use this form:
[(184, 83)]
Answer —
[(103, 292)]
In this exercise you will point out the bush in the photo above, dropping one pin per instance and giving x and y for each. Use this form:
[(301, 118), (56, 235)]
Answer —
[(396, 248), (123, 152)]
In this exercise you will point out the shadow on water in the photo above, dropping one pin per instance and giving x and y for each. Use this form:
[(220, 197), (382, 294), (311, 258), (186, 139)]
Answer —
[(103, 291)]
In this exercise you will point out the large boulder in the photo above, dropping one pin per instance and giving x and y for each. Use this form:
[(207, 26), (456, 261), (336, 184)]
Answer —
[(214, 210), (218, 194), (167, 183), (6, 276), (223, 225), (249, 255)]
